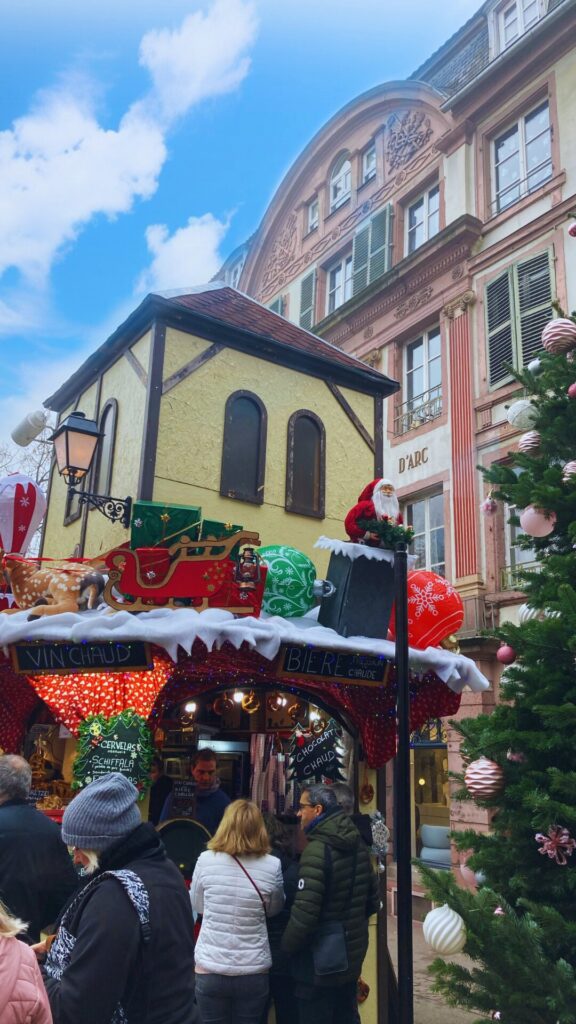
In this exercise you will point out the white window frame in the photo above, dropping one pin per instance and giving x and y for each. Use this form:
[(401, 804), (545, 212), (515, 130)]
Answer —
[(521, 8), (522, 183), (438, 567), (340, 182), (430, 219), (338, 291), (313, 214), (369, 163), (416, 401)]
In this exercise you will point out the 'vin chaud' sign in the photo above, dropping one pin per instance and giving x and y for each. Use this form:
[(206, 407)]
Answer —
[(36, 658)]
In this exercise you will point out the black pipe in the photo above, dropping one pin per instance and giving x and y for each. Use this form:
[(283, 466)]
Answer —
[(403, 837)]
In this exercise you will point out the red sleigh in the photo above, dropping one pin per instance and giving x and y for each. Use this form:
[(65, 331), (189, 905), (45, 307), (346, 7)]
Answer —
[(197, 574)]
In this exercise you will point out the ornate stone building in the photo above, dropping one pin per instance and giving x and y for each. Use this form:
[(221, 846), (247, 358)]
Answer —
[(424, 230)]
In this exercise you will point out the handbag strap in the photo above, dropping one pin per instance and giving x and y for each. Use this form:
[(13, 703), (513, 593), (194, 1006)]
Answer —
[(250, 879)]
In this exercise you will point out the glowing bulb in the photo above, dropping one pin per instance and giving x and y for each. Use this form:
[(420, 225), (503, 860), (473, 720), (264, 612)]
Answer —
[(314, 716), (283, 702), (421, 782), (238, 696), (190, 707)]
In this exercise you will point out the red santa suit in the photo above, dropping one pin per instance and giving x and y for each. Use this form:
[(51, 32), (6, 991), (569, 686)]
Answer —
[(373, 504)]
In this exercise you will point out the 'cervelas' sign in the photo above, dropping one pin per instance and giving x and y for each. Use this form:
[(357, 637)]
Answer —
[(340, 666), (37, 658)]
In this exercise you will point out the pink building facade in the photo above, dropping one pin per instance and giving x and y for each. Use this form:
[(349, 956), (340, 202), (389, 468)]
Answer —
[(424, 229)]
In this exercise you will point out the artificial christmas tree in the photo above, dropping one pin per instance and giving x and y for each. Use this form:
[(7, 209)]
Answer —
[(521, 922)]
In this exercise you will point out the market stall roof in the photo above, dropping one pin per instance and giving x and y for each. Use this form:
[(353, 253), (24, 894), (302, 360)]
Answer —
[(172, 629)]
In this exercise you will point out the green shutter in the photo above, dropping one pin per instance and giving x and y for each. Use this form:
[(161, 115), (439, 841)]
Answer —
[(360, 259), (499, 329), (307, 291), (534, 296), (380, 247)]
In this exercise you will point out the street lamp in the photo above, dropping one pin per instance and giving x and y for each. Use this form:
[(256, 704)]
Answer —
[(75, 441)]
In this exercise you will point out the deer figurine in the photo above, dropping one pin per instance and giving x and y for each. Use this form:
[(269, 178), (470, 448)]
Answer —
[(66, 587)]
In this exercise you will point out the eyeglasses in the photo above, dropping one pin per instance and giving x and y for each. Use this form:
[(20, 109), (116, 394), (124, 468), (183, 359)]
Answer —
[(300, 806)]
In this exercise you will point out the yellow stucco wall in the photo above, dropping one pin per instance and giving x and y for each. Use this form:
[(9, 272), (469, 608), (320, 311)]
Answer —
[(191, 434)]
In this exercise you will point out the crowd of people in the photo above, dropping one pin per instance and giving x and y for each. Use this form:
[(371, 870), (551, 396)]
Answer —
[(113, 936)]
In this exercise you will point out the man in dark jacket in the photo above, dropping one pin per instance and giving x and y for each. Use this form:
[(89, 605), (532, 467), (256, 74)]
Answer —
[(209, 801), (36, 873), (124, 948), (335, 884)]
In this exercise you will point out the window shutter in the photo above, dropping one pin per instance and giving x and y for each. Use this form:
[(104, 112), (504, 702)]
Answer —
[(360, 259), (499, 328), (307, 292), (277, 306), (380, 234), (534, 290)]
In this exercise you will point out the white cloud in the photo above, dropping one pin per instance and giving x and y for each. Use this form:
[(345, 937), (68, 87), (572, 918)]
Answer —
[(60, 167), (187, 257), (204, 57), (35, 380)]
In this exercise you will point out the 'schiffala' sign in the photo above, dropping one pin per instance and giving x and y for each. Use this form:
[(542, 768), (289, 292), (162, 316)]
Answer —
[(118, 744)]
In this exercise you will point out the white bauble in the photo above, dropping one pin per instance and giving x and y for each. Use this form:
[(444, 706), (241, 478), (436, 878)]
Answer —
[(521, 414), (444, 931), (526, 613)]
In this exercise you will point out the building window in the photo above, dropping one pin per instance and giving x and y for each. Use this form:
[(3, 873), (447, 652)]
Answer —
[(516, 18), (244, 448), (426, 517), (340, 182), (423, 219), (522, 158), (338, 283), (72, 507), (102, 479), (517, 558), (369, 164), (422, 382), (305, 464), (372, 250), (312, 215), (307, 301), (518, 305), (278, 305)]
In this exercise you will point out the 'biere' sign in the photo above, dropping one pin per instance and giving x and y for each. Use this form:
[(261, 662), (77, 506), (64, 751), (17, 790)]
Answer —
[(343, 666), (61, 658)]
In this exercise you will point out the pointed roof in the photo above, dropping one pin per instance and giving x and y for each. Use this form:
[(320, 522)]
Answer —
[(222, 314)]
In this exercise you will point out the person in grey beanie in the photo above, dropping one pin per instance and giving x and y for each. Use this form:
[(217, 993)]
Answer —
[(124, 950)]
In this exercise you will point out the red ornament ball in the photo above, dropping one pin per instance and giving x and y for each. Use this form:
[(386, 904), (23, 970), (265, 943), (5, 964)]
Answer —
[(435, 609), (506, 655), (572, 391)]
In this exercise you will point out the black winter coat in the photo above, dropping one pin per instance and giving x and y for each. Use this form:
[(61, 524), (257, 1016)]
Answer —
[(337, 898), (36, 873), (110, 963)]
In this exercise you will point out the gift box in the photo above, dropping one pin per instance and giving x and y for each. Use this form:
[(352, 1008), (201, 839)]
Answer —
[(155, 524), (363, 597), (212, 528)]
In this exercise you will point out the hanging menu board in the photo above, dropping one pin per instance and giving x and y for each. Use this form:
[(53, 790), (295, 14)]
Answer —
[(118, 744), (317, 757)]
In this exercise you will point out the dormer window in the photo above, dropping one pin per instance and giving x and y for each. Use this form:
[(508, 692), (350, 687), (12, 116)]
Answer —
[(369, 164), (516, 18), (313, 215), (340, 182)]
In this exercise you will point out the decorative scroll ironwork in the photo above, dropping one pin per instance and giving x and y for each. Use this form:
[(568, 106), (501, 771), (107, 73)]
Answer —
[(511, 575), (418, 410), (432, 734), (115, 509)]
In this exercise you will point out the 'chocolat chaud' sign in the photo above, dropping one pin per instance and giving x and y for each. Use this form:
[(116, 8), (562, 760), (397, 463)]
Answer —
[(316, 757)]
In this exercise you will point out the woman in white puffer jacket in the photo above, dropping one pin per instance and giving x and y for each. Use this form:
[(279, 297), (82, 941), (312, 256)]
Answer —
[(235, 886)]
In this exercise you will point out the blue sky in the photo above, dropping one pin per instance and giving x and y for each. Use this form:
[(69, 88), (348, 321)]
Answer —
[(141, 141)]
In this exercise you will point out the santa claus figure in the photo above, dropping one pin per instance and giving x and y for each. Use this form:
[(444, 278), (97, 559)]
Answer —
[(377, 501)]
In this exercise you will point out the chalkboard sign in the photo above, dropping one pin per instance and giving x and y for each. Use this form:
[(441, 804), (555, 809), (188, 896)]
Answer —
[(118, 744), (318, 757), (61, 658), (183, 799), (344, 666), (38, 794)]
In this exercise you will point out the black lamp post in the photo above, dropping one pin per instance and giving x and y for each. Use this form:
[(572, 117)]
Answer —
[(403, 809), (75, 442)]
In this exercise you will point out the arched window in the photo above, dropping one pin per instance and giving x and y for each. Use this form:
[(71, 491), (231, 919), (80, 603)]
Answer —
[(340, 182), (102, 481), (305, 464), (244, 448)]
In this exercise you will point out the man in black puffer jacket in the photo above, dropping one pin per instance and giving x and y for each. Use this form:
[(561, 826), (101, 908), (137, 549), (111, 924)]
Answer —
[(124, 948), (335, 884)]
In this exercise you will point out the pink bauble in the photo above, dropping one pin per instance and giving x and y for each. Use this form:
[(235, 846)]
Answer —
[(468, 876), (489, 506), (568, 471), (529, 442), (572, 391), (484, 779), (515, 756), (572, 229), (559, 336), (506, 655), (537, 522)]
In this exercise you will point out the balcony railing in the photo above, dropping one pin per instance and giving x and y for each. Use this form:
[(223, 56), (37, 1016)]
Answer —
[(510, 574), (418, 410)]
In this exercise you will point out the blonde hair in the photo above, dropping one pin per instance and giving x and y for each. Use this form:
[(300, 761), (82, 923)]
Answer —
[(241, 831), (9, 925)]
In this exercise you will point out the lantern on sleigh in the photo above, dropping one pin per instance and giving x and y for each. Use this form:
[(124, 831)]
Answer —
[(435, 610)]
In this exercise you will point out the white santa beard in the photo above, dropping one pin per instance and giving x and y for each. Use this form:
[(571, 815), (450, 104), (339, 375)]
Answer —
[(385, 505)]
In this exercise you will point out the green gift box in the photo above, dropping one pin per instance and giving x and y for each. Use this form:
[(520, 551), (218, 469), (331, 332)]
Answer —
[(158, 524), (212, 528)]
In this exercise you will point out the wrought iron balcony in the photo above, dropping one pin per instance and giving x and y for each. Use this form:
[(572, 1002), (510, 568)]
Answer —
[(418, 410), (510, 574)]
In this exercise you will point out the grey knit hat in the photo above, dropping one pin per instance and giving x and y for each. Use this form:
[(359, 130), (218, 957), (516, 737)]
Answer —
[(101, 813)]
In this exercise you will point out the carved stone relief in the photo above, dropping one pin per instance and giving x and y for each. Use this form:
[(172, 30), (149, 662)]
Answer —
[(282, 251), (413, 302), (406, 135)]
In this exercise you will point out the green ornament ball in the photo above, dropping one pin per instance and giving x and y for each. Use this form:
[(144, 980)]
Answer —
[(290, 581)]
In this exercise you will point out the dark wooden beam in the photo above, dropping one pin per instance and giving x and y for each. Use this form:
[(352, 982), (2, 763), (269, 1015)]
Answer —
[(137, 367), (354, 419), (152, 413), (190, 367)]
